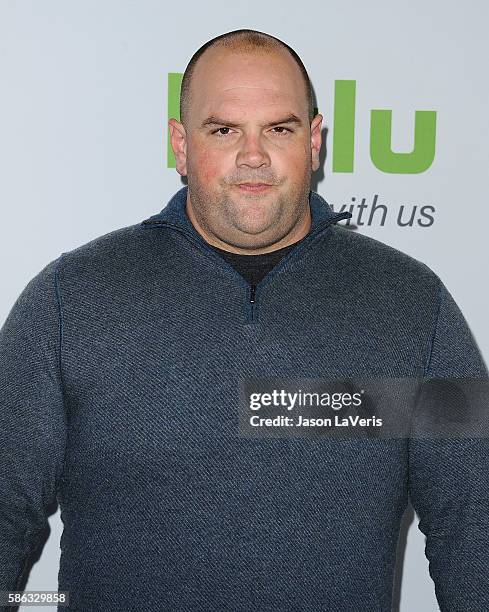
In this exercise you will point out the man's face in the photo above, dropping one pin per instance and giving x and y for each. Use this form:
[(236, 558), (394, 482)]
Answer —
[(247, 123)]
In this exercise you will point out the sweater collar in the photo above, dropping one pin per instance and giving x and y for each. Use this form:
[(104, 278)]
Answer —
[(175, 213)]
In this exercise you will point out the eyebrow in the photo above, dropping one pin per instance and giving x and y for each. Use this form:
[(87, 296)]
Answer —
[(213, 120)]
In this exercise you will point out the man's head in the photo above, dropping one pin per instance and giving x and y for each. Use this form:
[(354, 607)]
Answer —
[(247, 116)]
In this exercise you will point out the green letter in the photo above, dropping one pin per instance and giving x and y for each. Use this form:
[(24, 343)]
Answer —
[(344, 126), (423, 153), (174, 85)]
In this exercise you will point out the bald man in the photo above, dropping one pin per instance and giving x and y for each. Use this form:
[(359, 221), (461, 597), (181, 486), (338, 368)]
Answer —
[(150, 382)]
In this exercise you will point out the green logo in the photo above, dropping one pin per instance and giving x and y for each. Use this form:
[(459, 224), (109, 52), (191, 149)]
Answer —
[(381, 153)]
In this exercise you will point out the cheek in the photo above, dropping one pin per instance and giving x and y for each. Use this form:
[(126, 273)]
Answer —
[(209, 165), (291, 162)]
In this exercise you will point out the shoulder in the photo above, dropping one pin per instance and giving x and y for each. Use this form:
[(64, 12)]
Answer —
[(121, 250), (383, 275), (368, 255), (106, 245)]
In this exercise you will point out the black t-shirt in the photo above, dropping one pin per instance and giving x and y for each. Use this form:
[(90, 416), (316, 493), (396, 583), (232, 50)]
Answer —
[(254, 268)]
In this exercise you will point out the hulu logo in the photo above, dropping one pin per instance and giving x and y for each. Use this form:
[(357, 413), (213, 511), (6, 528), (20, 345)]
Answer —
[(382, 156)]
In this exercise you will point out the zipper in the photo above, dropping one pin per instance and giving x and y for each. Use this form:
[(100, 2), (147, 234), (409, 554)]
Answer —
[(253, 290), (252, 301), (252, 294)]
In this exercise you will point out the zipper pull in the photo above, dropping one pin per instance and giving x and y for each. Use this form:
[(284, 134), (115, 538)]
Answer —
[(252, 294)]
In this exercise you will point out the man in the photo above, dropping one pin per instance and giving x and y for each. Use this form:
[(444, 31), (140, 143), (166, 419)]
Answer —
[(123, 361)]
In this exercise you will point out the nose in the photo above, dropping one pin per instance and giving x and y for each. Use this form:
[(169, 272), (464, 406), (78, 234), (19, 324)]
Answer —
[(252, 152)]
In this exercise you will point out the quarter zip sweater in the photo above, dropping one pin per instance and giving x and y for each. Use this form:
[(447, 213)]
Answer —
[(121, 366)]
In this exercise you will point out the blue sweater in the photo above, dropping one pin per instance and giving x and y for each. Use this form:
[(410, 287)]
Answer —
[(121, 366)]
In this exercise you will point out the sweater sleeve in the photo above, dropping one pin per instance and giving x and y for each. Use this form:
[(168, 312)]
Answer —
[(32, 421), (449, 477)]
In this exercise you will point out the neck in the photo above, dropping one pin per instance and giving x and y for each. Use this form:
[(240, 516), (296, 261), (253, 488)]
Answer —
[(298, 232)]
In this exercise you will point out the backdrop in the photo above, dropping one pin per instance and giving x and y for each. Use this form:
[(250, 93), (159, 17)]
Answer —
[(87, 88)]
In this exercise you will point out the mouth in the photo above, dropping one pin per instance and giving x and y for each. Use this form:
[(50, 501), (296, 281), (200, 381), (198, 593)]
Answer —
[(254, 187)]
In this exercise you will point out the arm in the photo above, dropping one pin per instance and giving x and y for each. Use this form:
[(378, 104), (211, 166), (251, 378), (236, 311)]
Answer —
[(449, 478), (32, 421)]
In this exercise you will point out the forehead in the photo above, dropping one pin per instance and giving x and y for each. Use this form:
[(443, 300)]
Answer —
[(235, 84)]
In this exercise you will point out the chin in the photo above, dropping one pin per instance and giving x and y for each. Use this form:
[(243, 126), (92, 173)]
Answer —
[(254, 229)]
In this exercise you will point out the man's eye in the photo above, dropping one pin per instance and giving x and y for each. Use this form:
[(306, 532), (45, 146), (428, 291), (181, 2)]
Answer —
[(281, 127), (219, 129)]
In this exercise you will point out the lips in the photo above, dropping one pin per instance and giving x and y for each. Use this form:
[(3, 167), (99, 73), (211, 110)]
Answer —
[(254, 187)]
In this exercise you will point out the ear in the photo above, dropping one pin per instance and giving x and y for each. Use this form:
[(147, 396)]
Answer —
[(316, 141), (178, 140)]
